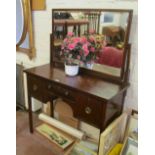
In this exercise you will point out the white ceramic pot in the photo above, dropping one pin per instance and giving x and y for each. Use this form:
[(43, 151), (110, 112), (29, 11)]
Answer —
[(89, 65), (71, 70)]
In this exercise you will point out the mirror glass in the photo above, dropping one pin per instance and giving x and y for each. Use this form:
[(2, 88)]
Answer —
[(25, 44), (109, 27), (20, 21)]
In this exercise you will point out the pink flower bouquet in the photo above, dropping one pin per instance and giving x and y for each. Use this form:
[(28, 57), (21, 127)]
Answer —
[(84, 48)]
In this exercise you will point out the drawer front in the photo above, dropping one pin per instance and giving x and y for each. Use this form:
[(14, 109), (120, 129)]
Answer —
[(60, 90), (36, 87), (89, 110)]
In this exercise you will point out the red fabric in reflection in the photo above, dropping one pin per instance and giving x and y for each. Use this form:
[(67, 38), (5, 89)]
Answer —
[(111, 56)]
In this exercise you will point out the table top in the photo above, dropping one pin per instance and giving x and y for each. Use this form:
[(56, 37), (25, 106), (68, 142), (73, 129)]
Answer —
[(83, 83)]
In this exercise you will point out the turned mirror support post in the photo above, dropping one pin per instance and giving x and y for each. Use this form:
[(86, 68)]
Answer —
[(127, 69), (126, 42)]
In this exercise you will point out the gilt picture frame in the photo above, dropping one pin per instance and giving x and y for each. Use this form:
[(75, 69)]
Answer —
[(130, 147), (113, 134)]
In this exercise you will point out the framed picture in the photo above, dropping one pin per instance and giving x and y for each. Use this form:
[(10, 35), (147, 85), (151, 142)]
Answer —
[(130, 147), (55, 136), (112, 135), (38, 5), (132, 127), (82, 150)]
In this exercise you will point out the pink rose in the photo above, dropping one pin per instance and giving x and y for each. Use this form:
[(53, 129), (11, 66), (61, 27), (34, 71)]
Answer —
[(83, 40), (91, 31), (92, 39), (92, 49), (78, 57), (70, 34), (71, 46), (85, 49), (65, 40), (76, 40)]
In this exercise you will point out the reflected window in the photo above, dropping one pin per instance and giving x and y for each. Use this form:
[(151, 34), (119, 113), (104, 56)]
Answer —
[(108, 18)]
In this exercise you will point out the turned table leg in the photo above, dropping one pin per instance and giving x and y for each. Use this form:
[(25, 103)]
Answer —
[(30, 114), (51, 105)]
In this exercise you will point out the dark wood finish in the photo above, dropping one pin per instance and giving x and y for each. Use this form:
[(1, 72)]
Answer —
[(91, 98), (90, 110), (127, 69), (119, 80), (30, 113), (126, 42)]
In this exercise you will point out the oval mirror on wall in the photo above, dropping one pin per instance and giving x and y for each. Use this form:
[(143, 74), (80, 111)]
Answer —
[(20, 21), (24, 31)]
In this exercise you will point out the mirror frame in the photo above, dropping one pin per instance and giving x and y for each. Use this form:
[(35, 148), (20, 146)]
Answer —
[(127, 47), (27, 29)]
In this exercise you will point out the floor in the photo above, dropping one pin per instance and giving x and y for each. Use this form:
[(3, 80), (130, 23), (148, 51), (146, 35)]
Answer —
[(31, 144)]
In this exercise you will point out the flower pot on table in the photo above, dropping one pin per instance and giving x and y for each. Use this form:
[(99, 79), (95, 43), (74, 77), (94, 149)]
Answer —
[(71, 69)]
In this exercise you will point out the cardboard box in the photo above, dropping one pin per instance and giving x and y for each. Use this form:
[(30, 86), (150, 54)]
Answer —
[(62, 112), (71, 121), (65, 113)]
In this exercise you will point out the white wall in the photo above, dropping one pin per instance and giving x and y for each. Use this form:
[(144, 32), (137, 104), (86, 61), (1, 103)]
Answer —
[(42, 29)]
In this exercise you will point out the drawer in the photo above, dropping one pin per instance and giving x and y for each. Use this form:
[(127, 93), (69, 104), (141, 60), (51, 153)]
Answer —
[(59, 90), (36, 87), (89, 110)]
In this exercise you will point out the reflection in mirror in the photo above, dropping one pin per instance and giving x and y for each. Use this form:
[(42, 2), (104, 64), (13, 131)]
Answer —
[(20, 21), (25, 44), (112, 26)]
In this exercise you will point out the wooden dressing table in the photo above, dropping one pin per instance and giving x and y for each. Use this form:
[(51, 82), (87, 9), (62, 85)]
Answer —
[(92, 99), (96, 98)]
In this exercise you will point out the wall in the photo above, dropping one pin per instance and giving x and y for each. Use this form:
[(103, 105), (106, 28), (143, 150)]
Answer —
[(42, 29)]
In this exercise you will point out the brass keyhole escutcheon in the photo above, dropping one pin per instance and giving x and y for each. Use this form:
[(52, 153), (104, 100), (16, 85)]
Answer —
[(49, 86), (66, 93), (35, 87), (88, 110)]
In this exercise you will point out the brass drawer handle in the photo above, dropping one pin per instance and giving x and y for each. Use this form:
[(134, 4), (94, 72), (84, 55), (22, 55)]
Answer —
[(88, 99), (35, 87), (49, 86), (88, 110), (66, 93)]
